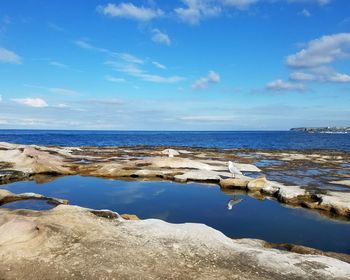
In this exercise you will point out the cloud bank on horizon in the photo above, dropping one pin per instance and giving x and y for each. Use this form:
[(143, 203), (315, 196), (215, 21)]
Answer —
[(175, 65)]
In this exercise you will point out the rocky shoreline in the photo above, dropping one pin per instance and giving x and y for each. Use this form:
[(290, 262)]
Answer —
[(28, 162), (91, 244)]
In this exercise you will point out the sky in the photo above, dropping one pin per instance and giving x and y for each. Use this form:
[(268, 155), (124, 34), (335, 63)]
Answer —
[(174, 65)]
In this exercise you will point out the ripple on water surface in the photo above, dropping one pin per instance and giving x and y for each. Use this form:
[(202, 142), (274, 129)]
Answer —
[(179, 203)]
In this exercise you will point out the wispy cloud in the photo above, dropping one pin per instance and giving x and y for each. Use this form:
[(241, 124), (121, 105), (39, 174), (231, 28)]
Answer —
[(210, 118), (131, 65), (63, 91), (239, 4), (58, 64), (158, 65), (305, 13), (55, 27), (160, 37), (31, 102), (320, 74), (7, 56), (319, 2), (114, 79), (203, 82), (129, 10), (280, 85)]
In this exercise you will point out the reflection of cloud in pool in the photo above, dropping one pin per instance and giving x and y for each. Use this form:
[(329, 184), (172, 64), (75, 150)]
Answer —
[(158, 192), (126, 196)]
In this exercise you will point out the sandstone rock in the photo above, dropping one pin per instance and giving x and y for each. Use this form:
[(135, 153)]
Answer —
[(235, 183), (257, 184), (7, 197), (130, 217), (70, 242), (292, 194), (341, 182), (335, 202), (200, 175), (170, 152)]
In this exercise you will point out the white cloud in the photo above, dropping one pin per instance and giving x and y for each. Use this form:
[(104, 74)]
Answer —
[(160, 37), (63, 91), (114, 79), (314, 62), (7, 56), (301, 76), (196, 10), (280, 85), (202, 83), (129, 10), (320, 2), (31, 102), (240, 4), (305, 13), (321, 51), (320, 74), (0, 98), (158, 65)]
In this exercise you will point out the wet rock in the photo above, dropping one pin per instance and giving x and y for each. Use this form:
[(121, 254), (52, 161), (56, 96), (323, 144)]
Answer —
[(299, 249), (130, 217), (28, 162), (70, 242), (341, 182), (292, 195), (235, 183), (200, 175), (257, 184), (30, 159), (335, 202), (7, 197)]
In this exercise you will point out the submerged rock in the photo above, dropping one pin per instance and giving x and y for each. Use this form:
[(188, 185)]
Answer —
[(70, 242)]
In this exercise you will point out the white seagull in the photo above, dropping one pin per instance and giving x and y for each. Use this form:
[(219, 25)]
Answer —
[(233, 169)]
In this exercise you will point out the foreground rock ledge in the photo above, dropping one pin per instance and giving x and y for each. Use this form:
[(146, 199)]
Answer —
[(72, 242)]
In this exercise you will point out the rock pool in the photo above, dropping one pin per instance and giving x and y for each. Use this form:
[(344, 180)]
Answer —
[(198, 203)]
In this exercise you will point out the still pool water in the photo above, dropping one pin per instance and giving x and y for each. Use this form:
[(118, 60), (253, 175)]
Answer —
[(198, 203)]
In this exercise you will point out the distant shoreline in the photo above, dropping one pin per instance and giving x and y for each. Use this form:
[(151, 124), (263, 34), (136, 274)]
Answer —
[(342, 130)]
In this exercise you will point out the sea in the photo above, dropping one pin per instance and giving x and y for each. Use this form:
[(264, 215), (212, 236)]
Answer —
[(290, 140)]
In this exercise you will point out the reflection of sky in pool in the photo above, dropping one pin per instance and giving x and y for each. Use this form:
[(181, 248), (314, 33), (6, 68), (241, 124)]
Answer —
[(178, 203)]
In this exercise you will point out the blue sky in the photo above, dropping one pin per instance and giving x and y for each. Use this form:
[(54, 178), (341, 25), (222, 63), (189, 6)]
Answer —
[(174, 65)]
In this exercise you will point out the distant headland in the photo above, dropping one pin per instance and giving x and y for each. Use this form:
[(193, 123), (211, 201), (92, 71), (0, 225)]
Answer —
[(327, 129)]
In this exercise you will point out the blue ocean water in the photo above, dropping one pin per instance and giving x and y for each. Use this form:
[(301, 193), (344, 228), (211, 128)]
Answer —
[(213, 139)]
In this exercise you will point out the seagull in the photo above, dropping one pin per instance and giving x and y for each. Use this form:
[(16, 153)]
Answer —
[(233, 169), (232, 202)]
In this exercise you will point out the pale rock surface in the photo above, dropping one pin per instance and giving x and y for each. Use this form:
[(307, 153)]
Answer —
[(70, 242)]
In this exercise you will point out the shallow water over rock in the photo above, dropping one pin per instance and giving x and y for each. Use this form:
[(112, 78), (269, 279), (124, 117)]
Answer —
[(178, 203)]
